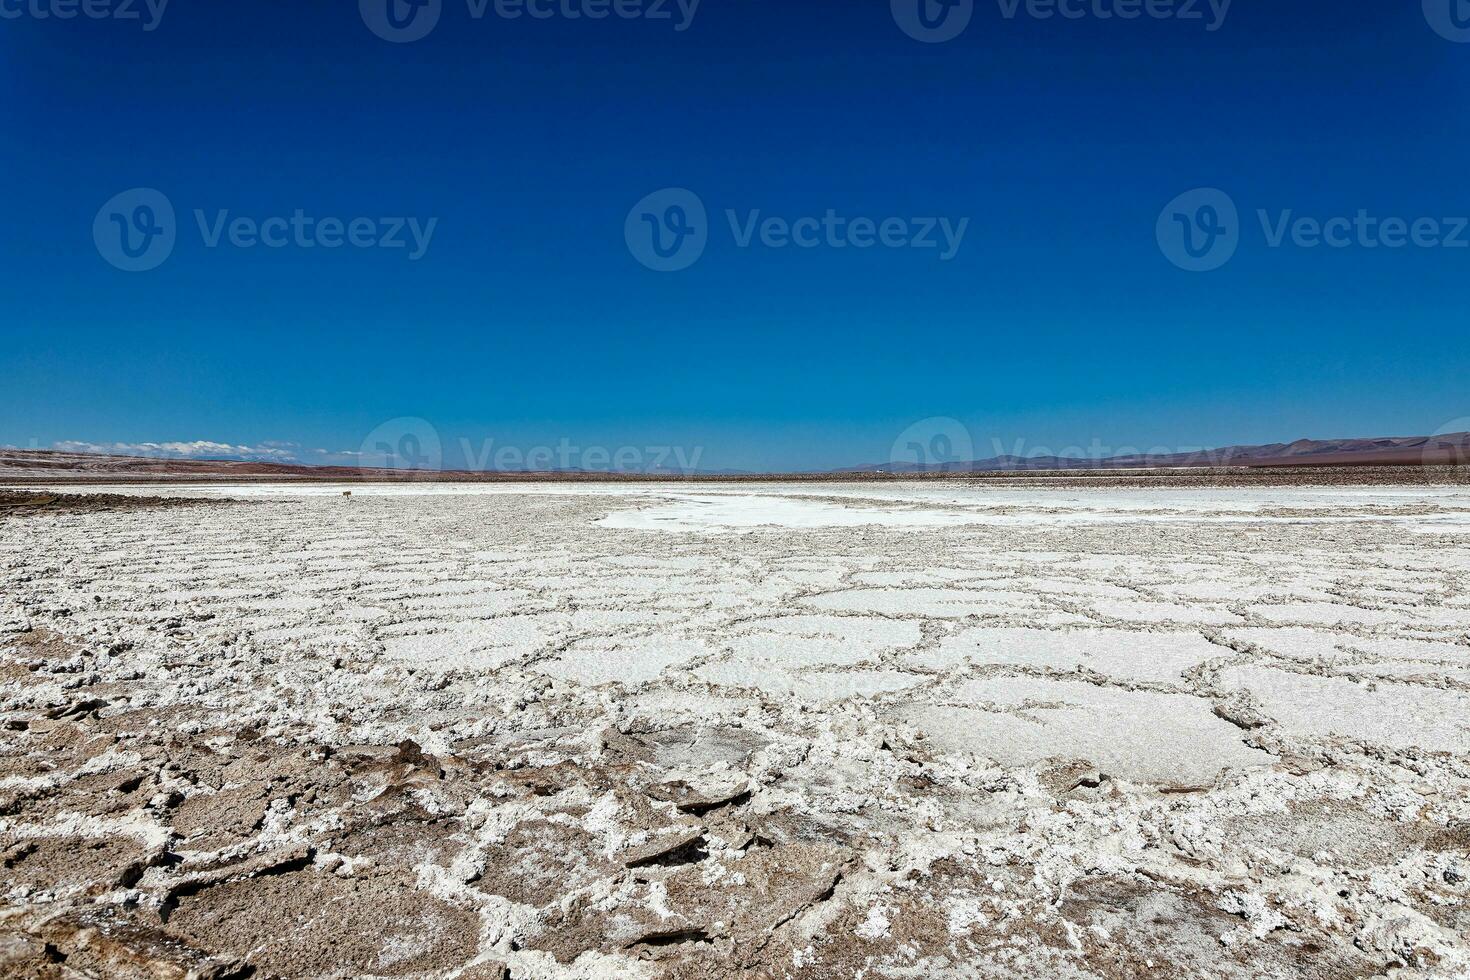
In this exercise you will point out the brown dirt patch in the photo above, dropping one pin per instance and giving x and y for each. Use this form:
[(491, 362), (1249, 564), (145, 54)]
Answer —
[(306, 923), (20, 503)]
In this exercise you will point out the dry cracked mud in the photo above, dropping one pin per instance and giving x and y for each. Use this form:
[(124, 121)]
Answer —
[(775, 732)]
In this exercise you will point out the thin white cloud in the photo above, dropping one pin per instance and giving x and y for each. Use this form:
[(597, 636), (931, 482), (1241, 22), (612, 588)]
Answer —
[(273, 452)]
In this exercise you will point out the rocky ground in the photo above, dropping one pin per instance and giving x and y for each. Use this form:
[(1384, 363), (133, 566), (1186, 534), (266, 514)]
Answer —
[(510, 734)]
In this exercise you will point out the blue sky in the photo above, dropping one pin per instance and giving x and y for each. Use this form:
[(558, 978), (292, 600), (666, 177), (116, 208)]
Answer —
[(528, 320)]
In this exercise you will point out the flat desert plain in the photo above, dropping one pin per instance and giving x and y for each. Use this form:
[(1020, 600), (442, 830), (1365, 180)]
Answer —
[(924, 730)]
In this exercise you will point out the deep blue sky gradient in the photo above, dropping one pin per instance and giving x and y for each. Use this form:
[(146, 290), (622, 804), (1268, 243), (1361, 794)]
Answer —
[(528, 321)]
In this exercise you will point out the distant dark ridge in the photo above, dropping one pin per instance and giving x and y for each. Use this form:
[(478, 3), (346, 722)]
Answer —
[(38, 466), (1444, 450)]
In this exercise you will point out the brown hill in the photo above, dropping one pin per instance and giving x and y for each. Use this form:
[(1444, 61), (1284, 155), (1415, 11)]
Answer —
[(31, 465), (1451, 449)]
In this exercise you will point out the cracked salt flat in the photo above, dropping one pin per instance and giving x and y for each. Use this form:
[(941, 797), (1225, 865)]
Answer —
[(803, 640), (1137, 735), (974, 700), (492, 621), (628, 662), (670, 508), (938, 507), (945, 603), (1397, 715), (1119, 653)]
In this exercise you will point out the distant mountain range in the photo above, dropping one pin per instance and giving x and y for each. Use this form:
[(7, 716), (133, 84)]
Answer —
[(1402, 451), (41, 464), (33, 465)]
